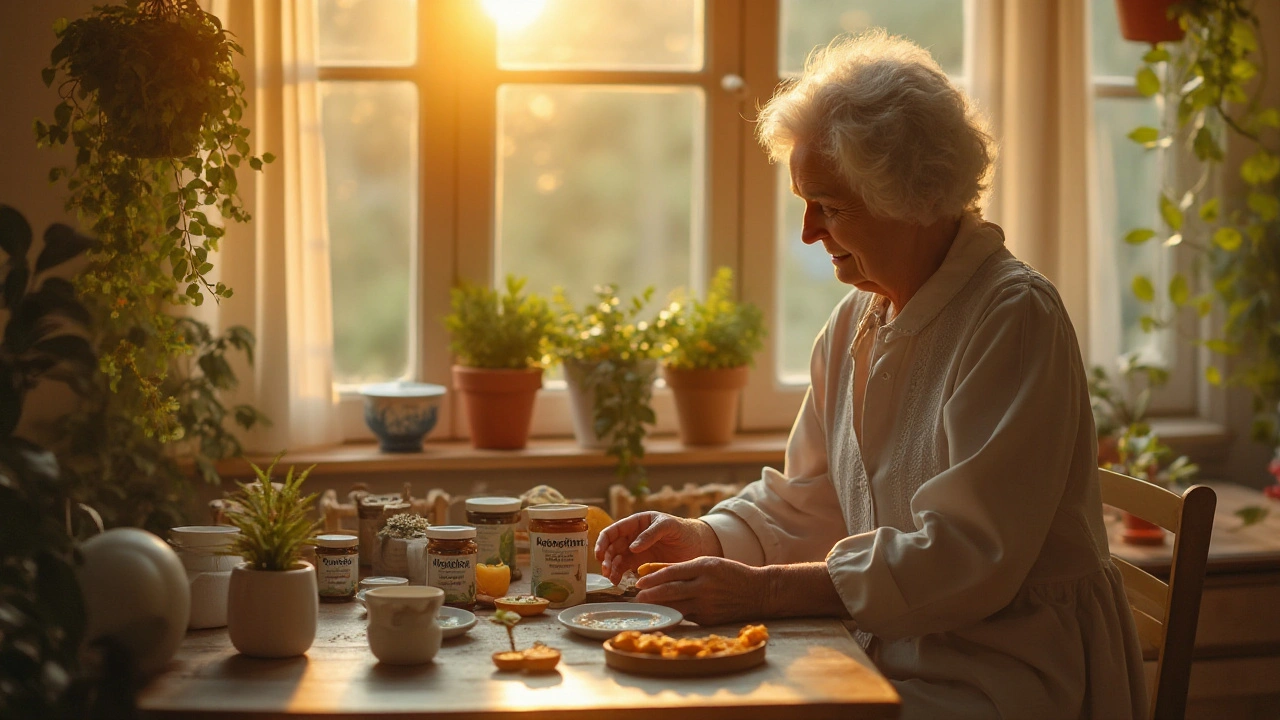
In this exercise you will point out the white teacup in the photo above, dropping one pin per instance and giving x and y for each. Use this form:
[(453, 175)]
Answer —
[(402, 623)]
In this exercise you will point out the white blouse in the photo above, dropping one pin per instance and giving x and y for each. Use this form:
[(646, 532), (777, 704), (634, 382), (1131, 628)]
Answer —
[(962, 524)]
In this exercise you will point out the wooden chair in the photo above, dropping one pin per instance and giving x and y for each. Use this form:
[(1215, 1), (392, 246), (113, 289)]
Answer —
[(690, 501), (1166, 614)]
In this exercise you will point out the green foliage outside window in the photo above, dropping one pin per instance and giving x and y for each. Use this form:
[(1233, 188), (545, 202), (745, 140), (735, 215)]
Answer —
[(716, 333), (1207, 81)]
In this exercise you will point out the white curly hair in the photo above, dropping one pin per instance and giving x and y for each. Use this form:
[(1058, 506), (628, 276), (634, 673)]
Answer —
[(908, 141)]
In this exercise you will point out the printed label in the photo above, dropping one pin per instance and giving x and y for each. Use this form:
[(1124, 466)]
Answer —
[(497, 543), (336, 575), (558, 563), (455, 575)]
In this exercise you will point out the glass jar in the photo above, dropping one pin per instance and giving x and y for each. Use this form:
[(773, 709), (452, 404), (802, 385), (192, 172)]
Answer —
[(558, 553), (451, 563), (337, 567), (204, 552), (495, 520)]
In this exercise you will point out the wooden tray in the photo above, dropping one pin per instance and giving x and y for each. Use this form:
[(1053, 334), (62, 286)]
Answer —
[(648, 664)]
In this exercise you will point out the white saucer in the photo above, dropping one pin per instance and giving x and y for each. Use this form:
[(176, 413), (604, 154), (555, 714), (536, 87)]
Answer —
[(454, 621), (602, 621)]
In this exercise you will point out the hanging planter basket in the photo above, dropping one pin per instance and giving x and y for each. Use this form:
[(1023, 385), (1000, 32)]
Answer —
[(1148, 21), (159, 70)]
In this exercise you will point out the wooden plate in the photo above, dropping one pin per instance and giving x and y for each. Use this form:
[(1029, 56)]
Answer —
[(647, 664)]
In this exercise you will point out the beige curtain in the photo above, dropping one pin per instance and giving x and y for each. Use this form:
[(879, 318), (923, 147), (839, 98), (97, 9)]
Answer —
[(278, 265), (1032, 78)]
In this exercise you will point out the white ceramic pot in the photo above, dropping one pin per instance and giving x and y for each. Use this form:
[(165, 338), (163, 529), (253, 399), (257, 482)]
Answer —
[(272, 614), (402, 623), (582, 401), (201, 549), (135, 591)]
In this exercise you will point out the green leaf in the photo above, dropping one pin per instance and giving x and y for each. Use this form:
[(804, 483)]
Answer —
[(1156, 54), (1170, 212), (1213, 375), (1228, 238), (1206, 146), (1145, 135), (1251, 515), (1269, 117), (1148, 83), (1209, 210), (1267, 206), (268, 158), (1148, 323), (1237, 308), (48, 75), (1143, 289), (1242, 70), (1179, 291), (1222, 347), (1139, 236), (255, 163), (1204, 304), (1260, 168)]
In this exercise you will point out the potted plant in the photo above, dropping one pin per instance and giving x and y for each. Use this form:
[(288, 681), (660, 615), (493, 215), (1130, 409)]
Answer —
[(713, 344), (1235, 247), (272, 601), (1149, 21), (609, 358), (500, 340), (392, 556)]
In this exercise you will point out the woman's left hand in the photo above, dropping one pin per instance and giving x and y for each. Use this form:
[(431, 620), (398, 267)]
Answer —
[(708, 590)]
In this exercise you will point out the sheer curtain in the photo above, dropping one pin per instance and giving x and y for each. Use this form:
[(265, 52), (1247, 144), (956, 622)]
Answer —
[(278, 265), (1032, 78)]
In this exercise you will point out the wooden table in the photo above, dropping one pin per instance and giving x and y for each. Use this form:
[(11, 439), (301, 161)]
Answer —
[(1236, 668), (813, 670)]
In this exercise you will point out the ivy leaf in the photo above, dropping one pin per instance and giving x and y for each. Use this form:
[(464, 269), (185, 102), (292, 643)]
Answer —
[(1270, 117), (1260, 168), (1213, 375), (1237, 308), (48, 75), (1179, 291), (1148, 83), (1156, 54), (1139, 236), (268, 158), (1148, 323), (1209, 210), (1222, 347), (1267, 206), (1170, 212), (1251, 515), (1242, 70), (1143, 289), (1145, 135), (1228, 238), (1204, 304), (1206, 146)]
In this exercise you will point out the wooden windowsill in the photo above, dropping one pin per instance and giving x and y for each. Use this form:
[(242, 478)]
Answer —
[(541, 454)]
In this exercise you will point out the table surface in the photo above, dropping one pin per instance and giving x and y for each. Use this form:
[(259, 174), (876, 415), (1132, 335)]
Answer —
[(1232, 547), (813, 669)]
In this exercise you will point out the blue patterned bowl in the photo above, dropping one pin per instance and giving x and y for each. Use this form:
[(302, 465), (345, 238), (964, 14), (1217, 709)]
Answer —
[(401, 413)]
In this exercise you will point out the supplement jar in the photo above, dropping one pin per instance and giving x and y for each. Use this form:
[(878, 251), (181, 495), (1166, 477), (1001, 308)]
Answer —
[(495, 520), (558, 553), (451, 563), (337, 567)]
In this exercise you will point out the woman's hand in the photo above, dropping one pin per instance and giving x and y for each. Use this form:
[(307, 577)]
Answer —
[(652, 537), (709, 590)]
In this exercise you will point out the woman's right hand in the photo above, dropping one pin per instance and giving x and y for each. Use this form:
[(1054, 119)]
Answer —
[(652, 537)]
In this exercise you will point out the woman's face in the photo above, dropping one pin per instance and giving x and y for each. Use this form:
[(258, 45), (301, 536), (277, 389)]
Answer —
[(860, 244)]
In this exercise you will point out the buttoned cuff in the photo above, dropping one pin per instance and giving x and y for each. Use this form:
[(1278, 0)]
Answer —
[(736, 538)]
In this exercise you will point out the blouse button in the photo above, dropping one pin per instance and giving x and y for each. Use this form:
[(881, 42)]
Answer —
[(886, 375)]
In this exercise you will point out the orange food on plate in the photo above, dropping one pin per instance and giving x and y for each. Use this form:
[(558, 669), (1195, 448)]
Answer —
[(538, 658), (656, 643), (493, 580), (647, 568)]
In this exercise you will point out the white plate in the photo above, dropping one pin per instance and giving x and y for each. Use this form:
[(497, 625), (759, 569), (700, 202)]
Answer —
[(602, 621), (454, 621), (596, 582)]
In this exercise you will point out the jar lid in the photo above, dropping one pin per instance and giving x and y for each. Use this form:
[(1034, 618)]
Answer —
[(206, 536), (383, 581), (493, 504), (337, 541), (451, 532), (566, 511)]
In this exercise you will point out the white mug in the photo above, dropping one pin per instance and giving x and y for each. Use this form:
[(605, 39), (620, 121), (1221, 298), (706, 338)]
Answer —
[(402, 623)]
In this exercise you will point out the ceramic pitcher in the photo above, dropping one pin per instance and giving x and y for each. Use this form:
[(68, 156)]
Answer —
[(402, 623)]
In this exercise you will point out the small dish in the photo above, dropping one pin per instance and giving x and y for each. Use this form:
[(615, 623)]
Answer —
[(454, 622), (522, 605), (596, 583), (601, 621), (647, 664)]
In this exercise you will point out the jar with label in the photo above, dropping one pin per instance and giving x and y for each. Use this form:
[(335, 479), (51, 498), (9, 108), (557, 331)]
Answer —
[(558, 553), (495, 519), (337, 567), (451, 563)]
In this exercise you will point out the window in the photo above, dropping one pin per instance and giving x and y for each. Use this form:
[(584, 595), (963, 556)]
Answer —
[(1127, 181), (573, 142)]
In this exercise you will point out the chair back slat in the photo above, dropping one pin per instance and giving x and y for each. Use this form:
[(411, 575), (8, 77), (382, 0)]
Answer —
[(1166, 615)]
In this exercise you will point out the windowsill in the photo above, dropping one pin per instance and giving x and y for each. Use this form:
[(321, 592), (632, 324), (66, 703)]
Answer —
[(1199, 438), (541, 454)]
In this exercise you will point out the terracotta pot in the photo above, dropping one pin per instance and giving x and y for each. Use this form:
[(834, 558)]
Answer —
[(499, 404), (706, 402), (1147, 21), (582, 401), (272, 614), (1140, 532)]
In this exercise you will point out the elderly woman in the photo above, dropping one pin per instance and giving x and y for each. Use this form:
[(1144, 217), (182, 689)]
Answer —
[(939, 487)]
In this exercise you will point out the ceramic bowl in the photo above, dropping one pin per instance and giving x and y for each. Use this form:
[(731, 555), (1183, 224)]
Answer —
[(401, 414)]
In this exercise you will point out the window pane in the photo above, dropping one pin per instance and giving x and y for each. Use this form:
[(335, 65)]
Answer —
[(600, 184), (937, 25), (807, 287), (1112, 54), (371, 175), (1128, 177), (367, 32), (599, 34)]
